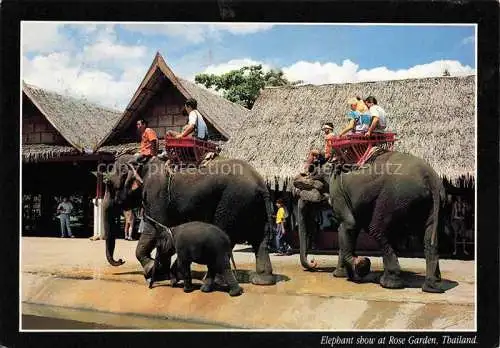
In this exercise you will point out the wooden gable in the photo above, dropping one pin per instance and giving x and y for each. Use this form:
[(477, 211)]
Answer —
[(36, 129), (162, 112)]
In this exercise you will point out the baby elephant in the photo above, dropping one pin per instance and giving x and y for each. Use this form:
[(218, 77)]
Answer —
[(204, 244)]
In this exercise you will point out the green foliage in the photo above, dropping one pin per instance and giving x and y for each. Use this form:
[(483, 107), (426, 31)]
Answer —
[(243, 86), (105, 176)]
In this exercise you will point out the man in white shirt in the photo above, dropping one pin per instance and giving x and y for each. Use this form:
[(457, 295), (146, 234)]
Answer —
[(196, 126), (378, 122), (64, 209)]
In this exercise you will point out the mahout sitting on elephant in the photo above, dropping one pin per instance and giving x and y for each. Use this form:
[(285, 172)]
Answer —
[(391, 195), (202, 243), (227, 193)]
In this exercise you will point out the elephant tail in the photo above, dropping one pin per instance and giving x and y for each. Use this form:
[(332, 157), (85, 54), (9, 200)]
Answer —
[(269, 214), (232, 259)]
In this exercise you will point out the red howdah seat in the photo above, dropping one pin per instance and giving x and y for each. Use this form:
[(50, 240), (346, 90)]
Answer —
[(188, 150), (357, 148)]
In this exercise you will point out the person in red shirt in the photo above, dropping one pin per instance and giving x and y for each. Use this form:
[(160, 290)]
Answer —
[(320, 157), (149, 142)]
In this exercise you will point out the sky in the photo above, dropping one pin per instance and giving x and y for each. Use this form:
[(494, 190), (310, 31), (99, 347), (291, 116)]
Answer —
[(105, 62)]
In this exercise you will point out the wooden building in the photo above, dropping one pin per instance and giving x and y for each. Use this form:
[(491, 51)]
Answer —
[(60, 136), (159, 100)]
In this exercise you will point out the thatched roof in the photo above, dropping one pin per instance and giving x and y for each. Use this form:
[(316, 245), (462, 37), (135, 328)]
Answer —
[(120, 149), (225, 116), (81, 123), (433, 117), (225, 113), (40, 152)]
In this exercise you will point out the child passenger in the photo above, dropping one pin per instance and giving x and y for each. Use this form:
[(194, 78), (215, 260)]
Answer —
[(358, 116)]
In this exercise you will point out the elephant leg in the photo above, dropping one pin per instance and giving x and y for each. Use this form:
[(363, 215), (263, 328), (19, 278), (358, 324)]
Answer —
[(264, 270), (234, 288), (432, 271), (143, 251), (145, 246), (438, 272), (163, 260), (255, 232), (185, 268), (352, 237), (340, 271), (347, 241), (377, 229), (174, 274), (391, 278), (209, 281)]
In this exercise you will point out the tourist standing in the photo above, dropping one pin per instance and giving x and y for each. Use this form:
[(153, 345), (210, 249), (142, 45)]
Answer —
[(129, 223), (64, 209)]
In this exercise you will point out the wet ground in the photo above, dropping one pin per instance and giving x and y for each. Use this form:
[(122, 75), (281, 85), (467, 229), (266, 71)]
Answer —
[(34, 322), (70, 280)]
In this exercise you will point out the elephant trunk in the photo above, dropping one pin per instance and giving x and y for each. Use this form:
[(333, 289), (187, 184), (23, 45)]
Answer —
[(303, 235), (110, 227)]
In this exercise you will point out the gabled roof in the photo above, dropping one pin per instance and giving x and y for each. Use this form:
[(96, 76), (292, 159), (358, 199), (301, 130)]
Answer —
[(224, 115), (220, 110), (80, 123), (434, 119)]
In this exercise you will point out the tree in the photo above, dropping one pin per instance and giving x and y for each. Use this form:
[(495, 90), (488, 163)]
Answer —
[(243, 86), (446, 72)]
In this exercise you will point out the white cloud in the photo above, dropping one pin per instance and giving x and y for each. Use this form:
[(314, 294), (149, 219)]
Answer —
[(324, 73), (469, 40), (234, 64), (196, 33), (58, 72), (43, 37), (89, 28), (105, 71), (192, 33), (103, 46), (106, 50), (242, 28), (61, 73), (317, 73)]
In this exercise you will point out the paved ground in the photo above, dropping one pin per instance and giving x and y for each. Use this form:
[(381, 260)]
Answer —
[(71, 279)]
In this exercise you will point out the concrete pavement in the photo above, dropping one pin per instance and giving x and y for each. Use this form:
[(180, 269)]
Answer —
[(70, 278)]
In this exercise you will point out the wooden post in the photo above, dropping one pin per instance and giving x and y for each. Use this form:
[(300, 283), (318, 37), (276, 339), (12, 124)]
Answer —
[(85, 208), (99, 182)]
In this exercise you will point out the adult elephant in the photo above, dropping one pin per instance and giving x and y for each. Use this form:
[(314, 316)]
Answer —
[(227, 193), (392, 195)]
